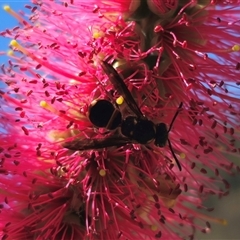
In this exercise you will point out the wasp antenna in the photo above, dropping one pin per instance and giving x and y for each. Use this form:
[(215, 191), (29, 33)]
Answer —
[(174, 156), (175, 116)]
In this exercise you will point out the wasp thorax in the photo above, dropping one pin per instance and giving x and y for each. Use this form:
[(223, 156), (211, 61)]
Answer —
[(140, 130), (102, 113)]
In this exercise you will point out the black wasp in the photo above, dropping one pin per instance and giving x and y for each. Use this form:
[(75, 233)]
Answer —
[(134, 129)]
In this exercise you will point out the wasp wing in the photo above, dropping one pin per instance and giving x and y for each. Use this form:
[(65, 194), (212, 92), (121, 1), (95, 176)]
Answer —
[(92, 144), (121, 87)]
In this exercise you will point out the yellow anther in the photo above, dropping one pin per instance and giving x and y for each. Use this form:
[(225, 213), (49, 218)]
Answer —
[(236, 48), (14, 43), (48, 107), (182, 155), (17, 45), (43, 104), (98, 34), (223, 222), (102, 173), (120, 100), (154, 228), (10, 53), (212, 219), (7, 8)]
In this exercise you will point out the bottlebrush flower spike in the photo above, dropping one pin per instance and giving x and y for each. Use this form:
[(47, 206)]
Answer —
[(62, 177)]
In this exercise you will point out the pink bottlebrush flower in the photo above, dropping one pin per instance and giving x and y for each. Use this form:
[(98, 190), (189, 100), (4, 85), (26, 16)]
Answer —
[(63, 176)]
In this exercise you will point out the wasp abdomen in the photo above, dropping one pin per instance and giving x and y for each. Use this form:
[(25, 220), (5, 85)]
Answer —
[(101, 114)]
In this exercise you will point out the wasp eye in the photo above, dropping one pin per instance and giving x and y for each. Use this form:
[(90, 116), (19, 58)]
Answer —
[(161, 135), (102, 113)]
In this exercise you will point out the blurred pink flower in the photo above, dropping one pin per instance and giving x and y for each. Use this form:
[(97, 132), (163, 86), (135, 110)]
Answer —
[(167, 52)]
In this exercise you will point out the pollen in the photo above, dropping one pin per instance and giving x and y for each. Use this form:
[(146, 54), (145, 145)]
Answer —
[(10, 53), (7, 8), (98, 34), (43, 104), (120, 100), (154, 228), (236, 48), (219, 221), (14, 43), (47, 106), (182, 155), (223, 222), (102, 173)]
